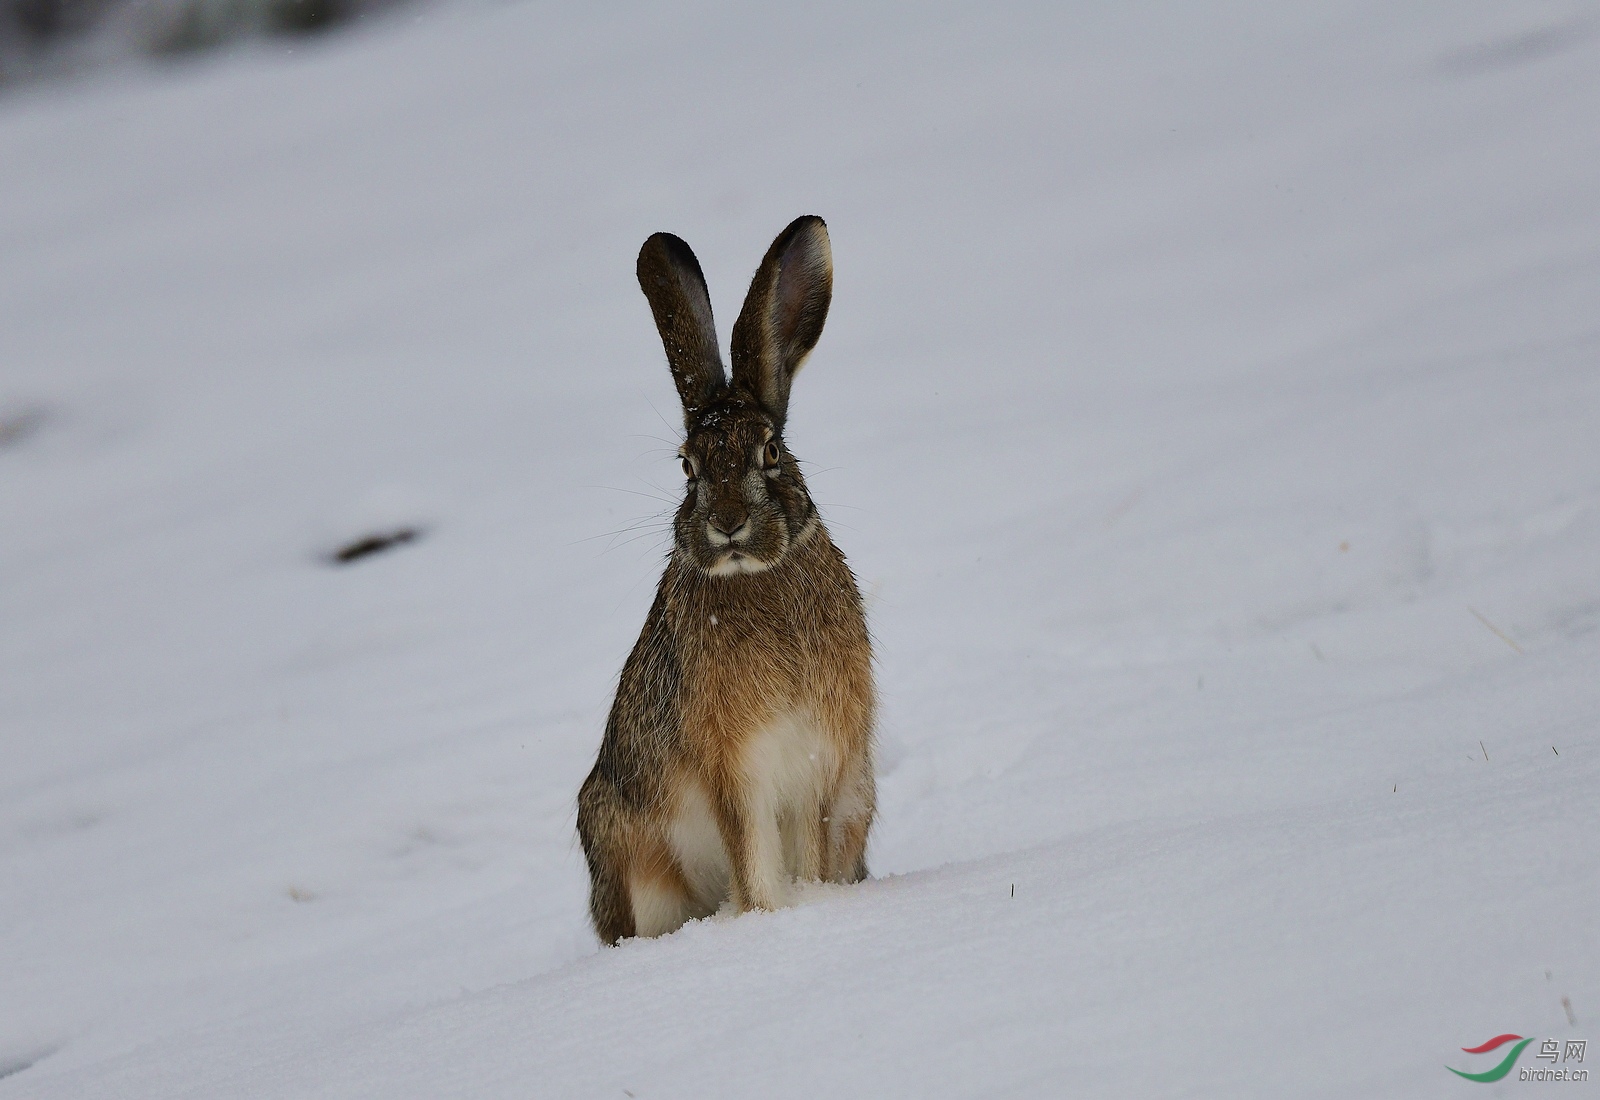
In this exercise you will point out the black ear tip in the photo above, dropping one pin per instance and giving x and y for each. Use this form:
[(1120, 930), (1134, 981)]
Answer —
[(665, 242), (664, 252), (806, 223), (661, 246)]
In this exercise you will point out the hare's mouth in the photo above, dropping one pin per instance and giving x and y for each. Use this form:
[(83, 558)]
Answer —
[(736, 561)]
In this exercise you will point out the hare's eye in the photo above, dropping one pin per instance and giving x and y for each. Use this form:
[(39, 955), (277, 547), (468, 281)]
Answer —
[(688, 469), (770, 453)]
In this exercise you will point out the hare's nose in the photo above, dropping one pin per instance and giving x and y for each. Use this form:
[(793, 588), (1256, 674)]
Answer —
[(724, 529)]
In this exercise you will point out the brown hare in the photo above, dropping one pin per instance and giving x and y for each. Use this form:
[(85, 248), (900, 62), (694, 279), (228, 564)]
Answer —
[(738, 755)]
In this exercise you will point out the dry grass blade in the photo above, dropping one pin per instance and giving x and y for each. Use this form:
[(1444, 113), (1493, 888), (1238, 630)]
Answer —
[(1498, 633)]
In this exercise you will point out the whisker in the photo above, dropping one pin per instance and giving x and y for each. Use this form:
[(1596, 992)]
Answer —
[(658, 439), (634, 492), (645, 526), (627, 542), (670, 426)]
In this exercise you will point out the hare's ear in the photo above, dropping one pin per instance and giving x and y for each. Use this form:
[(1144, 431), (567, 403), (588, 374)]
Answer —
[(783, 313), (670, 277)]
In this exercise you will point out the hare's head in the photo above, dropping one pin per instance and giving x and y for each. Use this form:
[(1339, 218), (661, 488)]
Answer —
[(745, 504)]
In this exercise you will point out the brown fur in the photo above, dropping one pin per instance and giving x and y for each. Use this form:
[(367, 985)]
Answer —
[(745, 711)]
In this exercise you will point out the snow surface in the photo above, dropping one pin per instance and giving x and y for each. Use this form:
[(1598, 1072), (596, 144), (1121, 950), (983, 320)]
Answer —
[(1210, 407)]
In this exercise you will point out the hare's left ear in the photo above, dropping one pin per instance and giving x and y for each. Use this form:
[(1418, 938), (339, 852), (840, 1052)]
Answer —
[(783, 314)]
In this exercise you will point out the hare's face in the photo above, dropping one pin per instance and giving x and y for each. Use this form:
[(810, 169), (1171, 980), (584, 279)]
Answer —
[(746, 504)]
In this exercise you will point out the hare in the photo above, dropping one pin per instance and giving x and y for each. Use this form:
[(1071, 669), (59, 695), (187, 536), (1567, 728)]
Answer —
[(737, 758)]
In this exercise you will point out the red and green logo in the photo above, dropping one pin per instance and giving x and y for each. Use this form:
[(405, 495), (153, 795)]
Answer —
[(1505, 1063)]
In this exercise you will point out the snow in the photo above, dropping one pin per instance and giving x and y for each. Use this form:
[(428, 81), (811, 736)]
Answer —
[(1209, 408)]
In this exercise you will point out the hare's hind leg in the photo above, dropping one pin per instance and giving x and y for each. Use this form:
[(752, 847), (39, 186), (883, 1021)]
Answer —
[(657, 892), (636, 887), (603, 828), (609, 906)]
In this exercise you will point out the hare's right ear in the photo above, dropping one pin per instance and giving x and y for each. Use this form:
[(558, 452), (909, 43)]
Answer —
[(671, 279)]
